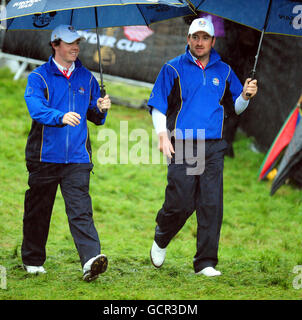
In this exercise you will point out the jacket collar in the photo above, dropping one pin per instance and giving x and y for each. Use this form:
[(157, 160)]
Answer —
[(214, 56), (54, 68)]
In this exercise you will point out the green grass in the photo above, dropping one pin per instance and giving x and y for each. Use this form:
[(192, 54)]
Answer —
[(260, 237)]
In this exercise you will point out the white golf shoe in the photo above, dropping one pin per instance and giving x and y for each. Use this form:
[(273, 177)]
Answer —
[(94, 266), (209, 272), (157, 255), (34, 269)]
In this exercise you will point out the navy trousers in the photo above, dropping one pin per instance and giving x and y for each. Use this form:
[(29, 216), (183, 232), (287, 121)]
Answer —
[(201, 192), (43, 181)]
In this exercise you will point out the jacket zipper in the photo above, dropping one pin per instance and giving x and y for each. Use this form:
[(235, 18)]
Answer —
[(73, 101), (204, 77), (199, 64)]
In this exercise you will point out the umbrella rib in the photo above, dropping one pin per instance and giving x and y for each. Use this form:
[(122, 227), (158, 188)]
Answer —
[(192, 5), (71, 17), (142, 14)]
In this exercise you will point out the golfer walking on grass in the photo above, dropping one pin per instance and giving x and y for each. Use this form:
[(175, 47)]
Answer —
[(186, 101), (61, 95)]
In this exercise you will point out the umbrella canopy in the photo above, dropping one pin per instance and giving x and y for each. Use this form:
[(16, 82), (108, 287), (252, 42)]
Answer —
[(274, 16), (90, 14), (268, 16), (291, 159), (85, 14), (281, 141)]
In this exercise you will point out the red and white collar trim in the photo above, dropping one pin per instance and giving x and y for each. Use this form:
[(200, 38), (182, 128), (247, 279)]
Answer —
[(200, 65), (65, 71)]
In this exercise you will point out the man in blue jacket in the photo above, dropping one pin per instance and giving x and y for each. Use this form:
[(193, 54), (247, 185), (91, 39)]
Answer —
[(61, 95), (187, 110)]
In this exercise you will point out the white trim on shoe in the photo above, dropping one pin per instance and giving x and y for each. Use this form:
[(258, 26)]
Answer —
[(34, 269), (157, 255), (209, 272)]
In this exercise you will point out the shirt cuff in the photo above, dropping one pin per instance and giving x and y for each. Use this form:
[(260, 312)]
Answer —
[(159, 121), (241, 104)]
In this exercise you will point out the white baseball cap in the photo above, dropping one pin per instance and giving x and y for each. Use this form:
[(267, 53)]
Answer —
[(202, 24), (66, 33)]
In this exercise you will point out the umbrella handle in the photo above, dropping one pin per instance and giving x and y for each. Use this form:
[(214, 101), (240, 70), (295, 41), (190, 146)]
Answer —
[(252, 76), (103, 93)]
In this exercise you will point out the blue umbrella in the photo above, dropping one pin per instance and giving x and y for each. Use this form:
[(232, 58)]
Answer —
[(267, 16), (89, 14)]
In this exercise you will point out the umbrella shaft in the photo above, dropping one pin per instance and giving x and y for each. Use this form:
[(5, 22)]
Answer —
[(103, 91), (261, 38), (99, 54), (257, 55)]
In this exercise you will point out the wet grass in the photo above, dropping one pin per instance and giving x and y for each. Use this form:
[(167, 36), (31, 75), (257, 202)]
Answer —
[(260, 237)]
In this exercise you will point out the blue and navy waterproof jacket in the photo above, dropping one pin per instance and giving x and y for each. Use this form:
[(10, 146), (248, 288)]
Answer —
[(49, 95), (191, 97)]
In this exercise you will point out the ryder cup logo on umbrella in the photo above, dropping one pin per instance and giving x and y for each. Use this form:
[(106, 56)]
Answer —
[(43, 20)]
